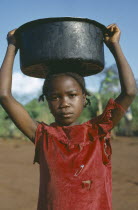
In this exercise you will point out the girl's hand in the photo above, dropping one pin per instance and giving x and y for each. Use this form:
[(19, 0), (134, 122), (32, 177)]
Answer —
[(11, 38), (114, 37)]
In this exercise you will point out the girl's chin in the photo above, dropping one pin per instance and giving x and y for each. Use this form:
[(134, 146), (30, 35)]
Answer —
[(66, 122)]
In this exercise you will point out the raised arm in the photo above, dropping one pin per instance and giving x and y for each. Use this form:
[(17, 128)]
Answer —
[(14, 109), (127, 81)]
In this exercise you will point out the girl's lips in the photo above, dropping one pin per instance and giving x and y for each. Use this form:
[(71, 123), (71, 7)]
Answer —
[(66, 115)]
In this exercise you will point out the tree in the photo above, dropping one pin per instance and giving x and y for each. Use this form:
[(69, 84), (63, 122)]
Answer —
[(109, 84)]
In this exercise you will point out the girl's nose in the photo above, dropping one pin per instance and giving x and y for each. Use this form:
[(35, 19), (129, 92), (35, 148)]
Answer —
[(64, 103)]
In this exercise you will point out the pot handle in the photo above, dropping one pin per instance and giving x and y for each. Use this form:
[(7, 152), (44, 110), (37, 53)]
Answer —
[(102, 27)]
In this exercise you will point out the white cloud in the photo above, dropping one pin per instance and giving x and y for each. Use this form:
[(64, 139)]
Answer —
[(25, 85), (92, 83)]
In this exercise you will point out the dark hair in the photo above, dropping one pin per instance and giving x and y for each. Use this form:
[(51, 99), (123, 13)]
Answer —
[(76, 76)]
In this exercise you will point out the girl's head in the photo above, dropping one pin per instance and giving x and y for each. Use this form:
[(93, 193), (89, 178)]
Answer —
[(66, 95)]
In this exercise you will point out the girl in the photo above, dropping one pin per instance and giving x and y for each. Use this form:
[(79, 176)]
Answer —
[(75, 160)]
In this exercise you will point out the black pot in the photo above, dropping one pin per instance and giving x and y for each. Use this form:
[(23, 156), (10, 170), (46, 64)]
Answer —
[(61, 44)]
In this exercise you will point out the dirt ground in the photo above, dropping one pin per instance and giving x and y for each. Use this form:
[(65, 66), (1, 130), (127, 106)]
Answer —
[(19, 177)]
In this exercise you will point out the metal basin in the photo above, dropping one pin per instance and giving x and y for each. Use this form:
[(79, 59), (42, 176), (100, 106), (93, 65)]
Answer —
[(61, 44)]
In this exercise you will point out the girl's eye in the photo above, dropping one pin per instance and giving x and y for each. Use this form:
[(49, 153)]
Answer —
[(54, 98), (73, 95)]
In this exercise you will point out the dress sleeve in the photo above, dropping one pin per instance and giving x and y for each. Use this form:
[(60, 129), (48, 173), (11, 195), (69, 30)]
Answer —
[(39, 135), (104, 124), (104, 121)]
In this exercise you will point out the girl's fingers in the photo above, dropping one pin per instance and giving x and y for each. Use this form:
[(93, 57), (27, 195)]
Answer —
[(11, 37), (113, 26), (12, 32), (113, 35)]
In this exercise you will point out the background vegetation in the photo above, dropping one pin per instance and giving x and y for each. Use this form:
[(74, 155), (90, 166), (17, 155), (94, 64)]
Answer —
[(109, 88)]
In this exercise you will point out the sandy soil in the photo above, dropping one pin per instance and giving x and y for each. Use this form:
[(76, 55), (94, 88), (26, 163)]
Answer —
[(19, 177)]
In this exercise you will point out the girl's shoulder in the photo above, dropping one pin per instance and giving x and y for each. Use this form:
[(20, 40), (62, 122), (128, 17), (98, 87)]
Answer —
[(105, 120)]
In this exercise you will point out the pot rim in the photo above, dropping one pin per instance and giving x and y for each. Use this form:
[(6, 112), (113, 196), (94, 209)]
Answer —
[(59, 19)]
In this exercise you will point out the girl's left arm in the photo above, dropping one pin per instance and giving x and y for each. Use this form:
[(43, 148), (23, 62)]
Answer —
[(127, 81)]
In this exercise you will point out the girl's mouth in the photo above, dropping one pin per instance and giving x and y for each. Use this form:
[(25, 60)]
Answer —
[(66, 115)]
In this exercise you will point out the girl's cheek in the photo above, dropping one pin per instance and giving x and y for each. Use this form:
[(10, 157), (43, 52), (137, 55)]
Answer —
[(51, 105), (54, 107)]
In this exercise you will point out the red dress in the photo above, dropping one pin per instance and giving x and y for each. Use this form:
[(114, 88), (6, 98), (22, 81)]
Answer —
[(75, 164)]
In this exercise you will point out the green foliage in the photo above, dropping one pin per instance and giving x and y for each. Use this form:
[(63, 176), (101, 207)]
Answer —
[(110, 81), (41, 112), (89, 111), (109, 88), (134, 108), (7, 127)]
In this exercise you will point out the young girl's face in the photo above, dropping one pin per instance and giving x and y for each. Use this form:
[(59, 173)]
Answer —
[(66, 100)]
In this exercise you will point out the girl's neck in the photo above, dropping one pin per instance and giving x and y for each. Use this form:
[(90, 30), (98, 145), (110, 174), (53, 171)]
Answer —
[(60, 124)]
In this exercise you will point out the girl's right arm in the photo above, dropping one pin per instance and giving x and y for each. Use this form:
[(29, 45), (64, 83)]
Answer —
[(15, 110)]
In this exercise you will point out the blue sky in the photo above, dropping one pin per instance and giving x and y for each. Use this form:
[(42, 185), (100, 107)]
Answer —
[(125, 13)]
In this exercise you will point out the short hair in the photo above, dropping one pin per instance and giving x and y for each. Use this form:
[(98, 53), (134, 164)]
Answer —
[(75, 76)]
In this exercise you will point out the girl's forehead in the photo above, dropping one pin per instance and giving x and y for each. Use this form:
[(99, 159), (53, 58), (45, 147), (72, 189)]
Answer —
[(64, 82)]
